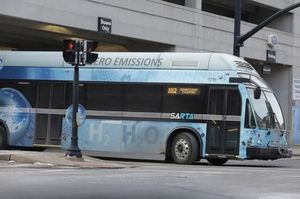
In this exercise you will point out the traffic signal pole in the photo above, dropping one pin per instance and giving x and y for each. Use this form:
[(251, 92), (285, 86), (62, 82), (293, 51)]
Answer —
[(237, 27), (74, 150), (78, 53), (239, 40)]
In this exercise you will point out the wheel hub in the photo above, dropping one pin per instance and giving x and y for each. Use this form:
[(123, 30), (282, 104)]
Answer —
[(181, 149)]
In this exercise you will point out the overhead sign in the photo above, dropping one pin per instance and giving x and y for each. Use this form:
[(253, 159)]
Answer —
[(296, 89), (271, 56), (266, 70), (104, 25), (272, 41)]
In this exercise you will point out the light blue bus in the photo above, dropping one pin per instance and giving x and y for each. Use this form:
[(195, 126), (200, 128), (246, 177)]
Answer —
[(184, 106)]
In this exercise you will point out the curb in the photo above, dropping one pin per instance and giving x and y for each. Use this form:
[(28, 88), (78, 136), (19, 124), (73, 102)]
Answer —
[(5, 157), (84, 163), (17, 158), (22, 159), (296, 151)]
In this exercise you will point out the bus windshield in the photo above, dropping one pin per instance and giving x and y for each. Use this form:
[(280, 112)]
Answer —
[(267, 111), (278, 117)]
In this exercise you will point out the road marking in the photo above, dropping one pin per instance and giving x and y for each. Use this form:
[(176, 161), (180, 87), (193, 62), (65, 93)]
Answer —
[(280, 196), (216, 170), (292, 176)]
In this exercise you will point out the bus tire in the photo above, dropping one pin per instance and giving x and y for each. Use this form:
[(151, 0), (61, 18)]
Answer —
[(217, 161), (3, 138), (184, 148), (168, 159)]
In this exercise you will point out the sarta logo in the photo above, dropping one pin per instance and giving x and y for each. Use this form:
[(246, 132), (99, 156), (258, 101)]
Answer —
[(182, 116)]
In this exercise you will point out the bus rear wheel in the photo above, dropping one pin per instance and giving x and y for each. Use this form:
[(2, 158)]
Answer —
[(217, 161), (3, 141), (184, 148)]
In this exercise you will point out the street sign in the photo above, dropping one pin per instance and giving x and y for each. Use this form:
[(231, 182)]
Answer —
[(104, 25), (271, 56), (272, 41), (266, 70)]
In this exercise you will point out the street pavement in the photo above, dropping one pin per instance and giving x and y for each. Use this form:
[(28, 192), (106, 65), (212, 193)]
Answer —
[(27, 174), (237, 179), (56, 157)]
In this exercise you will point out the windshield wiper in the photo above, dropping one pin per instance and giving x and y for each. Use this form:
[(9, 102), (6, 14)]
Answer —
[(276, 121), (272, 114)]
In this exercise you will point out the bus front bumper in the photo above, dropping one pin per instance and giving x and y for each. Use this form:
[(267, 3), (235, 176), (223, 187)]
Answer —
[(270, 153)]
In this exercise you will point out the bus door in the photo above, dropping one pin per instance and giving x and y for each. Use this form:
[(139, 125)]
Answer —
[(224, 109), (50, 104)]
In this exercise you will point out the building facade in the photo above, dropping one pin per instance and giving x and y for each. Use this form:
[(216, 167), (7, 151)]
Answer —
[(167, 25)]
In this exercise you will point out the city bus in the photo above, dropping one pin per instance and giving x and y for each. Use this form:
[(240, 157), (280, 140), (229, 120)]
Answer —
[(183, 106)]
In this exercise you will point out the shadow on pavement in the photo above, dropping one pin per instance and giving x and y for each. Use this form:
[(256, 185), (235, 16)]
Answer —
[(236, 163)]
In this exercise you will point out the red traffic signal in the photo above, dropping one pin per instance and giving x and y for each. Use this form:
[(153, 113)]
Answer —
[(69, 50), (69, 45), (78, 52)]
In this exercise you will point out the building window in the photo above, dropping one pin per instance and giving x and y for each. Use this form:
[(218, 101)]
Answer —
[(179, 2)]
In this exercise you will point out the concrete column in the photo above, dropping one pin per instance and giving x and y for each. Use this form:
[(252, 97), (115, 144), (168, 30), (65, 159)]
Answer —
[(194, 4)]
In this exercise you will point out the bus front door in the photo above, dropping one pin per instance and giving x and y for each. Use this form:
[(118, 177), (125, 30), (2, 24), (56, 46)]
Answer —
[(223, 128)]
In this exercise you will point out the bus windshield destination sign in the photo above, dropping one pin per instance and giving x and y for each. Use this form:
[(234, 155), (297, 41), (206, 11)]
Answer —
[(183, 91)]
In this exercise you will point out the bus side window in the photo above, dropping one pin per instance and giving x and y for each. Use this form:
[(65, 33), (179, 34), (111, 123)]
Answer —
[(104, 97), (28, 89), (234, 102), (142, 98), (249, 117)]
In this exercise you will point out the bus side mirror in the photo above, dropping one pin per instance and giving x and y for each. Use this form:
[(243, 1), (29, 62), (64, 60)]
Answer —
[(257, 92)]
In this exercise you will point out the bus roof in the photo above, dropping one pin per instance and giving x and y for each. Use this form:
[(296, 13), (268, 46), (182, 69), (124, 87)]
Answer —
[(176, 60)]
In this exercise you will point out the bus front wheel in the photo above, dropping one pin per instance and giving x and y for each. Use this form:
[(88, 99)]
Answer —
[(184, 148), (217, 161), (3, 141)]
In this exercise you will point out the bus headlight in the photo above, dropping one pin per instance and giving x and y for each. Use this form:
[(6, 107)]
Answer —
[(259, 141)]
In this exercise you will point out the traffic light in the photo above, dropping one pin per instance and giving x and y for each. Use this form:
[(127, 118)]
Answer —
[(79, 52), (70, 51), (89, 47)]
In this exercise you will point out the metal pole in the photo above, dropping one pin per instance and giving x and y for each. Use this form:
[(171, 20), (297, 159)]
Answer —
[(264, 23), (74, 150), (237, 27)]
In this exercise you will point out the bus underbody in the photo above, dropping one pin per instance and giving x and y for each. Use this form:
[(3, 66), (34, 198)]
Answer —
[(270, 153)]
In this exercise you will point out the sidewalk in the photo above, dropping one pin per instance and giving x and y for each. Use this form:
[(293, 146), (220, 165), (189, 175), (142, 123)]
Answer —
[(56, 159), (296, 150)]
